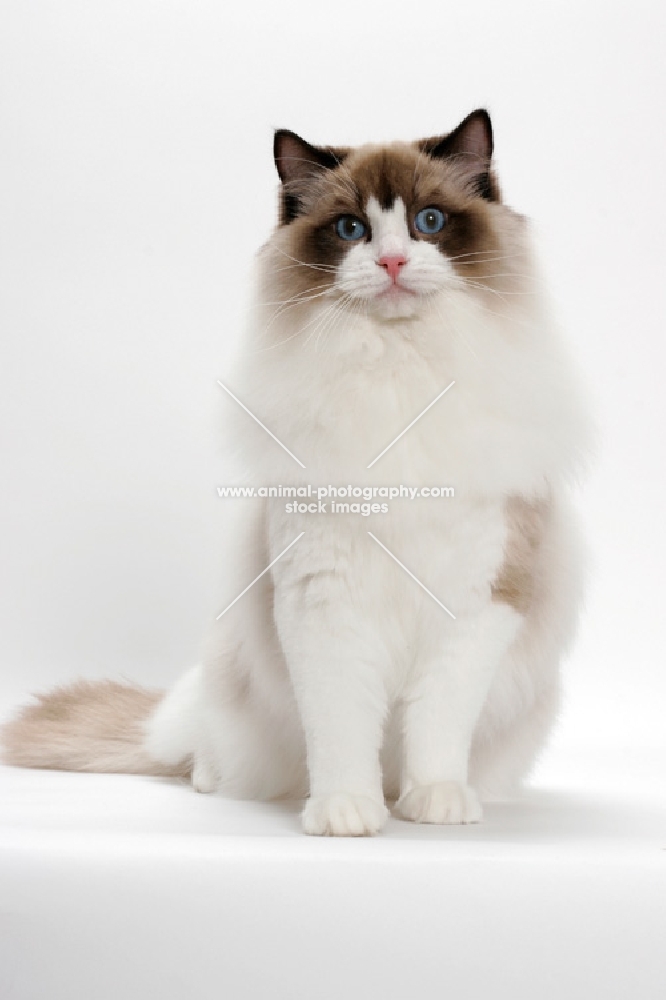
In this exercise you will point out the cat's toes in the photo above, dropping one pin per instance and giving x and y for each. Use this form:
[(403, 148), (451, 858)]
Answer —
[(203, 776), (444, 802), (343, 815)]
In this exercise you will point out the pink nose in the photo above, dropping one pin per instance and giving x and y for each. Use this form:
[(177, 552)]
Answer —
[(393, 262)]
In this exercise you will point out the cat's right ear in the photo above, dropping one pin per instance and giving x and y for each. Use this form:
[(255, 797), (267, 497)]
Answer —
[(298, 162), (296, 159)]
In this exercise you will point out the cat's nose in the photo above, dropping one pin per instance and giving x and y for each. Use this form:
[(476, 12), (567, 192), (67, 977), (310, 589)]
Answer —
[(393, 262)]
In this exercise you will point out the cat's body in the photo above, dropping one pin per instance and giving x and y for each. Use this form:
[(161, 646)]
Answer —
[(341, 673)]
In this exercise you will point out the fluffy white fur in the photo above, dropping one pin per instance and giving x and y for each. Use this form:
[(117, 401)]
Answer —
[(336, 676)]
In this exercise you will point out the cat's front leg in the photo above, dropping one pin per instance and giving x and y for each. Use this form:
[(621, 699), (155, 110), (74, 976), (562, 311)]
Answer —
[(335, 667), (440, 715)]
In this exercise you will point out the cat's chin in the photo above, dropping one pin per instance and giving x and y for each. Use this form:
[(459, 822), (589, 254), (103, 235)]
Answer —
[(396, 303)]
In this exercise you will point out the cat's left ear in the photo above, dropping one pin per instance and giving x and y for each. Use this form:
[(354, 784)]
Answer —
[(470, 145)]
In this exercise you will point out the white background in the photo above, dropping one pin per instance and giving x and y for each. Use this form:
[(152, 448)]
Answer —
[(137, 182)]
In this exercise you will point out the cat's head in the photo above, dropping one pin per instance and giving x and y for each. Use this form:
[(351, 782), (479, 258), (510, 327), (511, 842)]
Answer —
[(390, 226)]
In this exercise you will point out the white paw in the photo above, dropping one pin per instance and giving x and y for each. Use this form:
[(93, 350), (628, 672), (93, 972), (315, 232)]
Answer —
[(203, 776), (444, 802), (343, 815)]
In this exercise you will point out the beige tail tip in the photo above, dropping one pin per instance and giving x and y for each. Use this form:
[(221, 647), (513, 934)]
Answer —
[(86, 726)]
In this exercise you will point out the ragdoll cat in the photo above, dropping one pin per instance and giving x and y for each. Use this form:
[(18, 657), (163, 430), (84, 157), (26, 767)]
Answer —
[(408, 654)]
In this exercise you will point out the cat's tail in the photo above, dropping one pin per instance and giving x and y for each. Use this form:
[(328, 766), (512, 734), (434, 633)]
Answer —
[(87, 726)]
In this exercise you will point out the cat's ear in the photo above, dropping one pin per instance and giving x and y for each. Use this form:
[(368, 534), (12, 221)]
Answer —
[(297, 160), (298, 163), (471, 146)]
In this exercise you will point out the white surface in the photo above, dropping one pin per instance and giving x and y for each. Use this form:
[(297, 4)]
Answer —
[(115, 886)]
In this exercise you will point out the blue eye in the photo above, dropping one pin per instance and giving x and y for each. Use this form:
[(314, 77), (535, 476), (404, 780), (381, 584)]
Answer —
[(430, 220), (348, 227)]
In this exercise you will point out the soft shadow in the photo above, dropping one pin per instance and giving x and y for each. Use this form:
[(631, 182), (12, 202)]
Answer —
[(543, 817)]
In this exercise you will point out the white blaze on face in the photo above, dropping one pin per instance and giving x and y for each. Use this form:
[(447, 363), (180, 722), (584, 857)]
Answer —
[(390, 232)]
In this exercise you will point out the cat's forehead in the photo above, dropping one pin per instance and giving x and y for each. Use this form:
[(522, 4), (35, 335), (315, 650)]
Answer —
[(384, 175)]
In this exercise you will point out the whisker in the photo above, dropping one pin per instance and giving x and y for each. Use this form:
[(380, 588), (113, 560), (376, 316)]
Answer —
[(315, 267), (477, 253), (286, 308), (324, 327), (495, 291), (290, 267), (476, 263), (460, 339), (290, 304), (308, 293), (314, 319), (322, 318), (352, 308), (501, 274)]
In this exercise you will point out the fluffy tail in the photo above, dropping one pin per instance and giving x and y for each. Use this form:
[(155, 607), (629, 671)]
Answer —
[(87, 727)]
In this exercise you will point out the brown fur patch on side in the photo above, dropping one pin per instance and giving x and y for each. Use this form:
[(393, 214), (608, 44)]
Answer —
[(516, 580), (86, 726)]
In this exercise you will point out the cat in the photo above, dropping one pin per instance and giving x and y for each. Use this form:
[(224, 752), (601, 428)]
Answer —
[(408, 653)]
